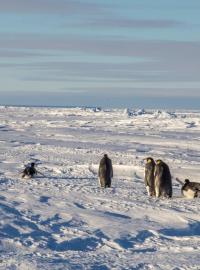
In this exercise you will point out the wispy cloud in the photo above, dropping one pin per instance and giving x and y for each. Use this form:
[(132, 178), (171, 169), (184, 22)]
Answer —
[(13, 53), (47, 6), (138, 24), (170, 60), (108, 46), (101, 47)]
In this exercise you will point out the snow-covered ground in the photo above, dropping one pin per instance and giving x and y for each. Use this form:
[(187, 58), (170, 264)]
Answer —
[(64, 220)]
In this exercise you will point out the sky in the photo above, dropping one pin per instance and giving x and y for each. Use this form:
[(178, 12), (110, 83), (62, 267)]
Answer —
[(109, 53)]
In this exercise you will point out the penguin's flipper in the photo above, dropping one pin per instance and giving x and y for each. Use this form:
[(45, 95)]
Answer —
[(179, 181)]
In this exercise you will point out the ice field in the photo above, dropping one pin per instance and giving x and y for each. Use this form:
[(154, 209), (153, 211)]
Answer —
[(64, 220)]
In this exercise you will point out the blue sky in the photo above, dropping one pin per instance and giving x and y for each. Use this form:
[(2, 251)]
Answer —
[(109, 53)]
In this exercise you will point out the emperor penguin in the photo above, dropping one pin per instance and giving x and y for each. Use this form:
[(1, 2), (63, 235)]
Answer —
[(149, 176), (163, 181), (29, 171), (190, 189), (105, 172)]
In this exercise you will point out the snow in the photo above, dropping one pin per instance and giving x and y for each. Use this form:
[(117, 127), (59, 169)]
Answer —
[(64, 220)]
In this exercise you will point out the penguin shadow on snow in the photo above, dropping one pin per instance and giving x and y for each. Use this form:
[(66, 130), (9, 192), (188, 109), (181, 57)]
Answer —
[(116, 215), (79, 206), (70, 178)]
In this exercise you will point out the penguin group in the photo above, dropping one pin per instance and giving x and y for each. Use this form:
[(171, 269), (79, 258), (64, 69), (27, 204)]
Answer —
[(158, 181), (157, 178)]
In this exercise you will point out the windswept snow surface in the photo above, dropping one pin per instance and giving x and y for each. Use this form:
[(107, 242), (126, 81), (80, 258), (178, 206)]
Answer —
[(64, 220)]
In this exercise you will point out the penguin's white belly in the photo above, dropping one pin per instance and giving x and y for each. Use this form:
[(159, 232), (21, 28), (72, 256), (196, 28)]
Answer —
[(190, 194)]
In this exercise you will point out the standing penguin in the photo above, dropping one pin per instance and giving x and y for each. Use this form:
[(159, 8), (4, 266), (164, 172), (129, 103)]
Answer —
[(105, 172), (163, 181), (149, 176)]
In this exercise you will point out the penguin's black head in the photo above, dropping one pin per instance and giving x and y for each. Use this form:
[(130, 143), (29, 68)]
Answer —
[(149, 160), (159, 161), (32, 164), (105, 155), (187, 181)]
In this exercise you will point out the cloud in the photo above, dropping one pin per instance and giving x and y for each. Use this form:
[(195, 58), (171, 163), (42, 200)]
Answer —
[(46, 6), (103, 46), (97, 99), (138, 24), (19, 54), (162, 60), (162, 4)]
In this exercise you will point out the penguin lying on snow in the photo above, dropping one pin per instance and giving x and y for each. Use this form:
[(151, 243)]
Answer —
[(189, 189), (29, 171)]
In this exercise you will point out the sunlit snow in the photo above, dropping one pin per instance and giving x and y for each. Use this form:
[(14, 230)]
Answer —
[(64, 220)]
